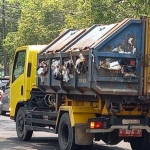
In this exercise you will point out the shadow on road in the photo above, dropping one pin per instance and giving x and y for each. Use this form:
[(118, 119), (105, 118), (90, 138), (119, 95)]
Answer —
[(34, 144), (42, 143), (104, 147)]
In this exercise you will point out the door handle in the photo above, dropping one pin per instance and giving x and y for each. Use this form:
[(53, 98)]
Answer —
[(21, 89)]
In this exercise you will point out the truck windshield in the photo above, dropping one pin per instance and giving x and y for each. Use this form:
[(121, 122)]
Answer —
[(19, 63)]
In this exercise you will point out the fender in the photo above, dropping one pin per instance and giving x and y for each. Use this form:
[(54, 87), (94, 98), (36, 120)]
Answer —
[(78, 118)]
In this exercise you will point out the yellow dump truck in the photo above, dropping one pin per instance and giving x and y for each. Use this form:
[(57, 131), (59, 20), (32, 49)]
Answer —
[(87, 84)]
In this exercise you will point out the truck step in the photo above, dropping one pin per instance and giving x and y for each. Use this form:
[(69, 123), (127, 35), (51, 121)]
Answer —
[(41, 121), (42, 113), (35, 128)]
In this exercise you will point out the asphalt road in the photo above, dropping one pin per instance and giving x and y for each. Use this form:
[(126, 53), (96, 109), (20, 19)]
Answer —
[(40, 140)]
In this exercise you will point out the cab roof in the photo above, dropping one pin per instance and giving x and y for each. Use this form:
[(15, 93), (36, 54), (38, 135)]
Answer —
[(37, 48)]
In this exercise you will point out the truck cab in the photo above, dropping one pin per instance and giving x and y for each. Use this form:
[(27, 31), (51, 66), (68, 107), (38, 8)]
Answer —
[(23, 77)]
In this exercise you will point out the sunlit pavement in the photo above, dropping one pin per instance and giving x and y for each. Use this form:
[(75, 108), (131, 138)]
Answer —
[(40, 140)]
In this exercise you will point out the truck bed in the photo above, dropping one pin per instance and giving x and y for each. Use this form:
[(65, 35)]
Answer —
[(102, 59)]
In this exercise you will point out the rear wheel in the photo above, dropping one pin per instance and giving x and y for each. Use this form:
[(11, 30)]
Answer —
[(141, 143), (66, 135), (22, 133)]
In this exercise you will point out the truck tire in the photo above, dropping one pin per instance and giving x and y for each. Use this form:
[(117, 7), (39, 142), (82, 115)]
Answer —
[(66, 135), (22, 133), (141, 143)]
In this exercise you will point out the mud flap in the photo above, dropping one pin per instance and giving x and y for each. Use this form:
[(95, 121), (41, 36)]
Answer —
[(81, 137)]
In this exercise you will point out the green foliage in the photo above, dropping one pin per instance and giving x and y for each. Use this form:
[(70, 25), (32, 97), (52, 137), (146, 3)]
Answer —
[(11, 43), (78, 14), (11, 16), (40, 23)]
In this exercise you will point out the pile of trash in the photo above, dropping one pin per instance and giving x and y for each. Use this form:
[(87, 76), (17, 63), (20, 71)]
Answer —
[(42, 70), (65, 71), (126, 66)]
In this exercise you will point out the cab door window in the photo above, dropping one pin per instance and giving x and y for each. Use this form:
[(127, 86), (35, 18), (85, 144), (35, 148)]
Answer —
[(19, 65)]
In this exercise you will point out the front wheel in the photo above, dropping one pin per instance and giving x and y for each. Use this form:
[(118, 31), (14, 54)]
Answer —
[(22, 133), (66, 135)]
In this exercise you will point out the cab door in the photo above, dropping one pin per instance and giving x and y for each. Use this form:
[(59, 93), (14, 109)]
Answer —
[(17, 80)]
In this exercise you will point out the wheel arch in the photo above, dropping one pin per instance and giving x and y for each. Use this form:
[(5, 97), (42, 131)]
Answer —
[(78, 120), (60, 113), (76, 115), (19, 104)]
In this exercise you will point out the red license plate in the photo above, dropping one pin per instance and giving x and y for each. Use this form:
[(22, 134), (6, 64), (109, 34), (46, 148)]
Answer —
[(130, 133)]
